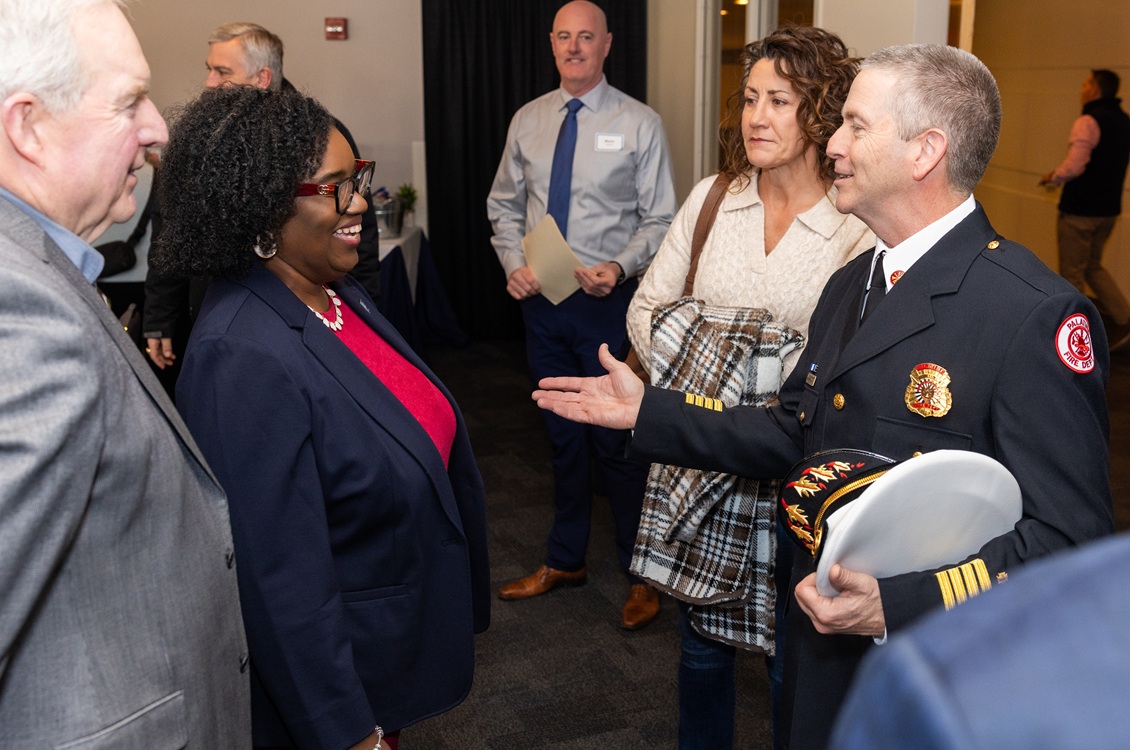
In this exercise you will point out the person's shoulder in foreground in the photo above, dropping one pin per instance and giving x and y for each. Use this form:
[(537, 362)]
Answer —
[(1042, 661)]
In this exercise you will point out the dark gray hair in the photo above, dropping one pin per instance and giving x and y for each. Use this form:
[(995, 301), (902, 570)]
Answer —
[(261, 48), (937, 86)]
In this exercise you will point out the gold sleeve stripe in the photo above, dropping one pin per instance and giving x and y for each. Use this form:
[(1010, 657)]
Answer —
[(947, 590), (713, 404), (957, 582), (965, 581), (982, 574), (969, 578)]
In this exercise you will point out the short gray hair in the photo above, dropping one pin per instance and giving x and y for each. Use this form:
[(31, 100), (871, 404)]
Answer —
[(261, 48), (40, 52), (937, 86)]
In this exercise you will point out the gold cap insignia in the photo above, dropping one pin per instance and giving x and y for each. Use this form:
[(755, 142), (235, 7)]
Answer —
[(928, 394), (819, 489)]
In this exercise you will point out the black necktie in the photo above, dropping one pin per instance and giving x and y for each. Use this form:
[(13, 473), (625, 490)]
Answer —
[(875, 291)]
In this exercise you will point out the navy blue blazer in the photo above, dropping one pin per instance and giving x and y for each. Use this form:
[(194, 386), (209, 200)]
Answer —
[(362, 561)]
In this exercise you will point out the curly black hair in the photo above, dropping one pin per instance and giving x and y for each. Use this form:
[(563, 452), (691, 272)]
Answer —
[(816, 62), (227, 177)]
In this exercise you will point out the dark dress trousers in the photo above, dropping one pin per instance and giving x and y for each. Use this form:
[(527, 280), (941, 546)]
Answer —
[(362, 560), (992, 316)]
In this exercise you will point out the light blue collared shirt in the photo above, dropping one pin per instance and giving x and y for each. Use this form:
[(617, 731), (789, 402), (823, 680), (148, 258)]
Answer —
[(88, 260), (622, 195)]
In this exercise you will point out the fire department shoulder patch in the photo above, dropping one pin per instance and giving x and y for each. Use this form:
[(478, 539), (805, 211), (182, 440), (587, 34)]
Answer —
[(1073, 343)]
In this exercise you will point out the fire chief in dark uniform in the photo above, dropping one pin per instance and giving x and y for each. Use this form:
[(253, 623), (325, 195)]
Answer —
[(946, 336)]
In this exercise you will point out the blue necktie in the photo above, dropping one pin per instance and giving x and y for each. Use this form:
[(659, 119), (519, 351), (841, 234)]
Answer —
[(561, 176)]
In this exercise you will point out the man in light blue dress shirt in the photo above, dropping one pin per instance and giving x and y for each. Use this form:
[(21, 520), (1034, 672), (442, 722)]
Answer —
[(621, 201)]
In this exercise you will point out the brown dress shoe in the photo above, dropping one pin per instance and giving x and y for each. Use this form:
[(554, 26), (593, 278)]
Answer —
[(641, 608), (545, 579)]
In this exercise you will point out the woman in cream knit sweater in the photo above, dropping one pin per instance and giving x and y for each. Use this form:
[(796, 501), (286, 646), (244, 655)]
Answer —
[(776, 239)]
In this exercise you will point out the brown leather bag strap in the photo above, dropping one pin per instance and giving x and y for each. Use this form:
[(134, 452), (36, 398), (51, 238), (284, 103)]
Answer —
[(702, 227)]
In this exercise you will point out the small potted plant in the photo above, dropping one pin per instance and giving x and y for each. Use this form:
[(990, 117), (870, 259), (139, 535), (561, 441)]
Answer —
[(407, 195)]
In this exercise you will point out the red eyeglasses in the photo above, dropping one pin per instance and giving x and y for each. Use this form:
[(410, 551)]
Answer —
[(343, 191)]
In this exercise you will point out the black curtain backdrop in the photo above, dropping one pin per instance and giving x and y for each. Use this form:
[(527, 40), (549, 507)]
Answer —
[(483, 59)]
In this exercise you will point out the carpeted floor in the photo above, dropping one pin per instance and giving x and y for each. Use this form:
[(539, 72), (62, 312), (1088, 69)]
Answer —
[(557, 671)]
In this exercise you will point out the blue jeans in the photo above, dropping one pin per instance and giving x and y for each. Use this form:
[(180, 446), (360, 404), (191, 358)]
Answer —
[(775, 665), (707, 690)]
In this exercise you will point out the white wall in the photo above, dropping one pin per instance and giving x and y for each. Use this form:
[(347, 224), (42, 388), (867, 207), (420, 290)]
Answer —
[(372, 82), (1040, 51), (671, 82), (869, 25)]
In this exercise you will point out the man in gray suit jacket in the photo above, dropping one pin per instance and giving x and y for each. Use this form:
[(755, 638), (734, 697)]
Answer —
[(119, 616)]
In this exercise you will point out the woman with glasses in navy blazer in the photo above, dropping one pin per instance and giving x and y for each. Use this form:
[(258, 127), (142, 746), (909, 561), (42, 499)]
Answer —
[(357, 508)]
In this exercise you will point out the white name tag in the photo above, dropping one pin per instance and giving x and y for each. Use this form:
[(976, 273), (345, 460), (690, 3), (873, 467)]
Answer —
[(609, 141)]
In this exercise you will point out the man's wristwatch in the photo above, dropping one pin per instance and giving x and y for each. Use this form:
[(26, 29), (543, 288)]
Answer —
[(623, 276)]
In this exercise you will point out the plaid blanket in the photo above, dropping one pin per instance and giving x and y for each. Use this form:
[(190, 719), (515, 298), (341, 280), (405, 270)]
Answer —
[(705, 537)]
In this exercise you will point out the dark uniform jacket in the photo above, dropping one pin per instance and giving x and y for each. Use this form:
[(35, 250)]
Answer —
[(987, 324)]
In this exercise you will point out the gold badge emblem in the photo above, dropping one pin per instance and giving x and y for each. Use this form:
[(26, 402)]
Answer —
[(928, 393)]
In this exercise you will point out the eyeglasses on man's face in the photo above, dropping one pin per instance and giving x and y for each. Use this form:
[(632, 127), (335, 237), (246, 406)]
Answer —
[(343, 191)]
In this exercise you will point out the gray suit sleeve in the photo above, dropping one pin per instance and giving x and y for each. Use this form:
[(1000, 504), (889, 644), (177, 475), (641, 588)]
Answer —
[(51, 435)]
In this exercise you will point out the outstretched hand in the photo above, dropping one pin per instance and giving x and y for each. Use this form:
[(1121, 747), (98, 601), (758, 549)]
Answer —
[(612, 400)]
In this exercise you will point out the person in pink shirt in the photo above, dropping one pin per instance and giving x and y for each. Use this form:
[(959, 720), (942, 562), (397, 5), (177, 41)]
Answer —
[(1092, 175)]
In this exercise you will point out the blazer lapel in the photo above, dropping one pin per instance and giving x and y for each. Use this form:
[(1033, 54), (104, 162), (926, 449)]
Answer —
[(908, 308), (359, 301), (370, 393)]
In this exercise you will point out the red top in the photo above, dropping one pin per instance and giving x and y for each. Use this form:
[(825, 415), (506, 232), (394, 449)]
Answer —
[(414, 390)]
